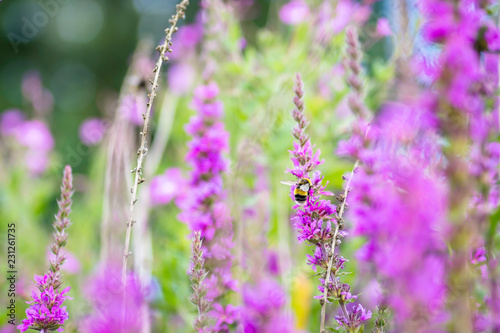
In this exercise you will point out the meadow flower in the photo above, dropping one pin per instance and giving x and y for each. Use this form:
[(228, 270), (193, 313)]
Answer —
[(36, 161), (46, 312), (167, 186), (92, 131), (294, 12), (181, 77), (464, 116), (357, 316), (204, 209), (116, 307), (383, 28), (262, 308), (35, 135), (132, 107), (187, 39), (398, 202), (224, 316), (315, 221), (10, 120)]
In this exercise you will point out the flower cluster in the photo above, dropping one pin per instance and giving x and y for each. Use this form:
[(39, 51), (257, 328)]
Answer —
[(92, 131), (262, 309), (463, 82), (117, 309), (34, 135), (314, 220), (355, 318), (398, 201), (204, 209), (46, 312), (181, 73)]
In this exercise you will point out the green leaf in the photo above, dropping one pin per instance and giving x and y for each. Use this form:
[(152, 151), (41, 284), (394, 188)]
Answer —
[(494, 219), (333, 299)]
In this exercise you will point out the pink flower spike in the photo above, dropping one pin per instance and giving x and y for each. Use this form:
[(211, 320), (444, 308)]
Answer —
[(92, 131), (294, 12), (383, 28)]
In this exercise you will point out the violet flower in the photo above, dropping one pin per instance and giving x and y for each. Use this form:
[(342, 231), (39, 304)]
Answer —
[(92, 131), (357, 316), (10, 120), (398, 202), (46, 312), (383, 28), (464, 31), (168, 186), (35, 135), (132, 107), (204, 209), (294, 12), (112, 312), (315, 219), (262, 308), (181, 77)]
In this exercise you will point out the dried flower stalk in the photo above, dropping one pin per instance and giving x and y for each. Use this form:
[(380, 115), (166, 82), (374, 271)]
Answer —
[(163, 49), (340, 222), (197, 275)]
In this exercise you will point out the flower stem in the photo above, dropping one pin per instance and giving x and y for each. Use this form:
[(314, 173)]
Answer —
[(330, 263), (163, 49)]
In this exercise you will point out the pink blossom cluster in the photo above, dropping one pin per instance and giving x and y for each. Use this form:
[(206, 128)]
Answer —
[(205, 209)]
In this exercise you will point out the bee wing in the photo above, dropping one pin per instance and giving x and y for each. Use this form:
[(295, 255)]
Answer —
[(305, 187), (287, 182)]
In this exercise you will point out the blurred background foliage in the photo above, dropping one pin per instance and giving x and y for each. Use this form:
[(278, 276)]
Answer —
[(82, 54)]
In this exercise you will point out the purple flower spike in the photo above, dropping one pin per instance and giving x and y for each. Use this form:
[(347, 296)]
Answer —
[(319, 222), (92, 131), (113, 313), (294, 12), (10, 120), (357, 317), (46, 312), (35, 135), (204, 208)]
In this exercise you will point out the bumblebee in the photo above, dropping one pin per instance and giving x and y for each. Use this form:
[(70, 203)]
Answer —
[(301, 191)]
